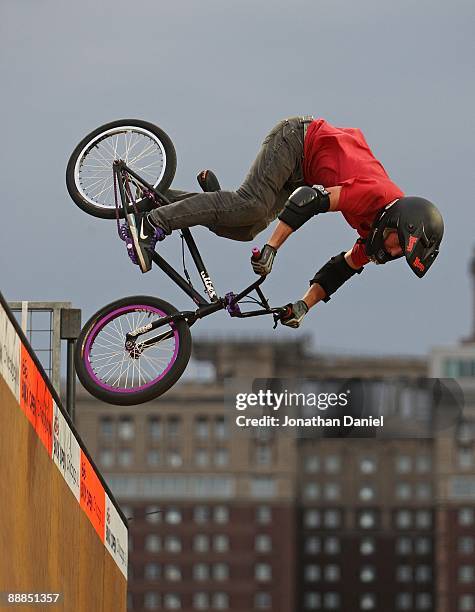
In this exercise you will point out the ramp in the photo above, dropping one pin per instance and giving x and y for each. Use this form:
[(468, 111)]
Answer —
[(61, 531)]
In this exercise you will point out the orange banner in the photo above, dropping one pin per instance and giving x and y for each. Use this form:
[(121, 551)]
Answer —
[(36, 400), (93, 497)]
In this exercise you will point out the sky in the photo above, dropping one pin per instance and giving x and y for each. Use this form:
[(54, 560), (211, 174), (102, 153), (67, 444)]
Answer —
[(217, 75)]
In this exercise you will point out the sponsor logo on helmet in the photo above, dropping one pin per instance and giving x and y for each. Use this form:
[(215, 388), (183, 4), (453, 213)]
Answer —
[(411, 244), (417, 263)]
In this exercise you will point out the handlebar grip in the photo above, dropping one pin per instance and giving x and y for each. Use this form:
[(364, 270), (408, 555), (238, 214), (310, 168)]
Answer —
[(256, 253)]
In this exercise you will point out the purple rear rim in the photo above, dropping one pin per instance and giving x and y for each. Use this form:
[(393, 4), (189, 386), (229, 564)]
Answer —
[(101, 324)]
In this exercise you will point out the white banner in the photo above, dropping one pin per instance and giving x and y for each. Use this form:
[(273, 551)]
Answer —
[(66, 451), (9, 353), (116, 536)]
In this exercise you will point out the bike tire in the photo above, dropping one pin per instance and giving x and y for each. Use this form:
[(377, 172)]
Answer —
[(101, 346), (89, 164)]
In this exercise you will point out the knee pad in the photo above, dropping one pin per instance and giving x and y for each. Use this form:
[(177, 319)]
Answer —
[(303, 204)]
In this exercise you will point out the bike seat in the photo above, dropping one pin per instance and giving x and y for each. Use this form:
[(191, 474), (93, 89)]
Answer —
[(208, 181)]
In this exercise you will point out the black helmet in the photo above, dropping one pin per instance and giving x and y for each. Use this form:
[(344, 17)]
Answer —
[(420, 228)]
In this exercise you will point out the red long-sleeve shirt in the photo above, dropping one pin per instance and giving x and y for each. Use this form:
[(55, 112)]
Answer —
[(341, 156)]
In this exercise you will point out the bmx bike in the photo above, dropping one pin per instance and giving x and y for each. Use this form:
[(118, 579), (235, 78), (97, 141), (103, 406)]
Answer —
[(135, 348)]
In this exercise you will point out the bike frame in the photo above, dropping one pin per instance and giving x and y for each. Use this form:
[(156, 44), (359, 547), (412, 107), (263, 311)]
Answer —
[(229, 302)]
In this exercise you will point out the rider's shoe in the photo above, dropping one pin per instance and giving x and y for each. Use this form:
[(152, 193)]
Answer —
[(208, 181), (145, 236), (295, 314)]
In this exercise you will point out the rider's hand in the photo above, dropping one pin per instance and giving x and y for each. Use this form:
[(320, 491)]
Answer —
[(263, 264), (295, 314)]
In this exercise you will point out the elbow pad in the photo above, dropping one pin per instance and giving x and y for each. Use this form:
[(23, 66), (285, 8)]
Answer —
[(303, 204), (333, 274)]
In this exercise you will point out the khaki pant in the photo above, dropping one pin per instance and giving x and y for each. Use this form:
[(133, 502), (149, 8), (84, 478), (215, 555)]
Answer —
[(242, 214)]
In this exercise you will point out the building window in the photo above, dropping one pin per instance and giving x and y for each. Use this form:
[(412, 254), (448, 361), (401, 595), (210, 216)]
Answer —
[(263, 543), (466, 545), (173, 516), (367, 546), (172, 544), (106, 458), (403, 490), (423, 601), (403, 519), (423, 491), (331, 573), (466, 517), (152, 601), (423, 546), (153, 543), (311, 490), (368, 465), (367, 573), (221, 457), (332, 519), (367, 520), (153, 458), (312, 601), (221, 514), (404, 601), (331, 546), (404, 546), (312, 519), (201, 543), (312, 573), (367, 601), (466, 574), (172, 601), (423, 573), (466, 603), (174, 459), (201, 572), (262, 601), (459, 368), (173, 426), (263, 454), (201, 428), (404, 573), (221, 543), (201, 601), (220, 572), (152, 571), (262, 572), (423, 464), (312, 464), (423, 519), (153, 514), (403, 464), (201, 457), (154, 428), (331, 601), (221, 429), (366, 493), (172, 573), (126, 428), (220, 601), (312, 545), (125, 457), (263, 486), (332, 491), (106, 428), (263, 515), (201, 514), (465, 458), (332, 464)]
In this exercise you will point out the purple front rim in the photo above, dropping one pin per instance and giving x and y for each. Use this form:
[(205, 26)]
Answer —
[(101, 324)]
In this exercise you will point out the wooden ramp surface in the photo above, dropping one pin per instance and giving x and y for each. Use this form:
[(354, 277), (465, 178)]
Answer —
[(60, 531)]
